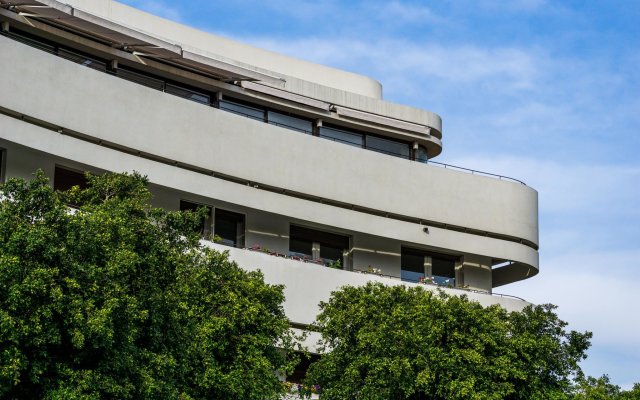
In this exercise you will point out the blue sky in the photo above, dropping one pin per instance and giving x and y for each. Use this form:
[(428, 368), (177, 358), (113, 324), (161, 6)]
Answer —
[(546, 92)]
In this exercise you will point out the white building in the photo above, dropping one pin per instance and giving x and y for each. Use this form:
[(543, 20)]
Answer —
[(302, 165)]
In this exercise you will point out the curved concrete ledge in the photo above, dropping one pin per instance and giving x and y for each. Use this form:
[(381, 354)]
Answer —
[(65, 94), (306, 285), (513, 272), (98, 157)]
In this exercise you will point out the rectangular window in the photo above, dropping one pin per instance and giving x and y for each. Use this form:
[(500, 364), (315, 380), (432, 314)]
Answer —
[(141, 79), (350, 138), (290, 122), (64, 179), (435, 267), (443, 271), (300, 370), (422, 155), (386, 146), (228, 226), (241, 109), (188, 94), (204, 228), (83, 60), (324, 247), (31, 40), (301, 247), (412, 265)]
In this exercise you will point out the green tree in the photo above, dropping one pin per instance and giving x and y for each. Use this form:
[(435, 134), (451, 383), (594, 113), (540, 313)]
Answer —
[(633, 394), (117, 300), (591, 388), (396, 342)]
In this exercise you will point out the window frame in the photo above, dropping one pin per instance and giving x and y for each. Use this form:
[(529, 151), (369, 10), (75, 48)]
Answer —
[(240, 239), (429, 257)]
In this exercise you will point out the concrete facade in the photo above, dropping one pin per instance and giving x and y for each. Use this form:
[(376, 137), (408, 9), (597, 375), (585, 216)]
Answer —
[(55, 111)]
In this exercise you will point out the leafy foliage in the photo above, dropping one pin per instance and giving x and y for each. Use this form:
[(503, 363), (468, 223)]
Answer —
[(591, 388), (396, 342), (117, 299)]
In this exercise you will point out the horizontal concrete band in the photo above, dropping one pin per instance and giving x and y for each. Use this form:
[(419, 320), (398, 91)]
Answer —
[(260, 185), (131, 116), (307, 285), (105, 26), (166, 173)]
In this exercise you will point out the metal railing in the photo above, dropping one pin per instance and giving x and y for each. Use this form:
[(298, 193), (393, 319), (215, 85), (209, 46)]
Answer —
[(159, 84), (294, 256), (361, 271), (473, 171)]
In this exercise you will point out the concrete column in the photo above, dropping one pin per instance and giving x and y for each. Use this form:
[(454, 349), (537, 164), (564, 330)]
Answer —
[(428, 272), (475, 273)]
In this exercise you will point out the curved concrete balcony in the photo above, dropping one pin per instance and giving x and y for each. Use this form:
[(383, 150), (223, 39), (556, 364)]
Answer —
[(307, 284), (219, 155)]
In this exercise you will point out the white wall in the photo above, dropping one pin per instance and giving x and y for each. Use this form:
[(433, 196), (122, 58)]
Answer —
[(232, 194), (476, 272), (112, 109), (306, 285)]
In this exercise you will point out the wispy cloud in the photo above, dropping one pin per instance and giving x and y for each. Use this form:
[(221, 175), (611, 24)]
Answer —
[(333, 13), (515, 68), (160, 8), (402, 12)]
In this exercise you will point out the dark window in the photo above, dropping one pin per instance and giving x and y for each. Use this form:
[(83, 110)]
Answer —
[(288, 121), (338, 135), (317, 245), (301, 247), (187, 93), (30, 40), (300, 370), (242, 109), (83, 60), (64, 179), (442, 271), (330, 252), (229, 227), (412, 265), (421, 154), (386, 146), (141, 79), (204, 227)]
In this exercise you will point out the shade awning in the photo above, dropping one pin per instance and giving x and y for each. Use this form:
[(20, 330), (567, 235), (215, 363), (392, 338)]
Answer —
[(134, 41)]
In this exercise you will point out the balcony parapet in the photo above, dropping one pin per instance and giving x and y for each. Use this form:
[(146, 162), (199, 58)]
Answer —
[(307, 284)]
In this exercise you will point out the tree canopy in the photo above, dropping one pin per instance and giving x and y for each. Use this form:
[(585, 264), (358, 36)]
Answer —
[(590, 388), (116, 299), (395, 342)]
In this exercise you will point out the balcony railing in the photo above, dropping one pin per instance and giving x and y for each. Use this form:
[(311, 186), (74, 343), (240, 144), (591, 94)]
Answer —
[(473, 171), (372, 271), (177, 89)]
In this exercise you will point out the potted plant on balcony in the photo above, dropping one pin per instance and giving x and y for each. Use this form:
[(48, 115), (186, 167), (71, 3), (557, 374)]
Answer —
[(373, 270), (427, 280)]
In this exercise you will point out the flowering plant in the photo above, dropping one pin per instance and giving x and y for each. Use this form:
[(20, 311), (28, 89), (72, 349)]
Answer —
[(427, 280), (373, 270)]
